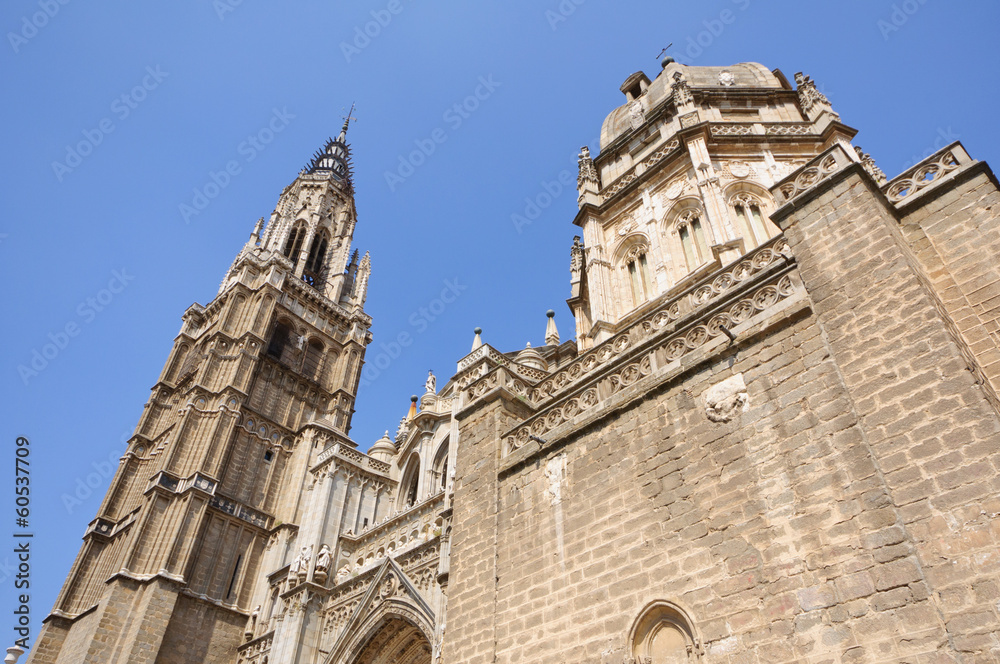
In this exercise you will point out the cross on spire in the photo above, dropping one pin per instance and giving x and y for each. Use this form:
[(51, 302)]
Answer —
[(348, 117)]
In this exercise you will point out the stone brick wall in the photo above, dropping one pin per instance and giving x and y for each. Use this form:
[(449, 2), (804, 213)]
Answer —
[(188, 639), (956, 237), (934, 434), (848, 513)]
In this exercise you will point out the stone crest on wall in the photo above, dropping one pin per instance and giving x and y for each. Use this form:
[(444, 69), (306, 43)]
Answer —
[(727, 399)]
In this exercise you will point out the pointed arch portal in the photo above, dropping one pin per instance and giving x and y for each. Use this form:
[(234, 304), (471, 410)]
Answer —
[(397, 641)]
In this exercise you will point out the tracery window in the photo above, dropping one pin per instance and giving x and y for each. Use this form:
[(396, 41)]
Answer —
[(313, 359), (637, 267), (281, 345), (294, 244), (748, 212), (692, 239), (314, 263)]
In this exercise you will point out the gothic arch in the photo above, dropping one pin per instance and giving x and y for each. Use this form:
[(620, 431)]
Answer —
[(439, 466), (293, 243), (756, 228), (663, 633), (409, 483), (391, 613), (689, 235)]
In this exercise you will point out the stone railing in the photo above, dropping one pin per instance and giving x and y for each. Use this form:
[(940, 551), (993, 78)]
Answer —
[(393, 536), (350, 454), (698, 296), (815, 171), (930, 172), (254, 652), (651, 352)]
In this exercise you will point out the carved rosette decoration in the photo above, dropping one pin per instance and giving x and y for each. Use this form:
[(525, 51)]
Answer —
[(809, 177), (920, 177)]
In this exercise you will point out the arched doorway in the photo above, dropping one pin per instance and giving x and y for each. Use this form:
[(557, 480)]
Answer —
[(396, 641)]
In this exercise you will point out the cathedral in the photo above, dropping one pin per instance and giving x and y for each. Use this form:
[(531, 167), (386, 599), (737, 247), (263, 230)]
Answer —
[(773, 435)]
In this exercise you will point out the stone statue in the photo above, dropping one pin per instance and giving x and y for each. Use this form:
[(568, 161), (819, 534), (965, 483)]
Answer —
[(300, 566), (431, 384), (343, 573), (251, 623), (323, 560)]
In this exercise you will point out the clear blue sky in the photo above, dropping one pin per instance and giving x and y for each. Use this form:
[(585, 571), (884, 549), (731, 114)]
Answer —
[(200, 77)]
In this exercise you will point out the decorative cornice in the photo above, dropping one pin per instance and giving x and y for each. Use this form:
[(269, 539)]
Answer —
[(644, 350)]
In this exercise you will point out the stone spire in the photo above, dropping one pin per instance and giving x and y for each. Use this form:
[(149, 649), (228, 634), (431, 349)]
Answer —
[(334, 158), (551, 333), (478, 340)]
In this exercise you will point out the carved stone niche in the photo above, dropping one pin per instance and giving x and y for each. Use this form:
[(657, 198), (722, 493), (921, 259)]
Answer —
[(727, 399), (663, 634)]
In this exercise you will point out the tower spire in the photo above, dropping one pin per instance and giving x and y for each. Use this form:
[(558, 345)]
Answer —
[(335, 156)]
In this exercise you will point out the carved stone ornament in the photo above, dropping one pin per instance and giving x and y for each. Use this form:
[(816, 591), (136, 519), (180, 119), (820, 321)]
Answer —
[(626, 225), (676, 188), (727, 78), (636, 117), (727, 399), (739, 169)]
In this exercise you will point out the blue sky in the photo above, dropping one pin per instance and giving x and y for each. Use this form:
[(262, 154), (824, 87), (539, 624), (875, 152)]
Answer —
[(118, 114)]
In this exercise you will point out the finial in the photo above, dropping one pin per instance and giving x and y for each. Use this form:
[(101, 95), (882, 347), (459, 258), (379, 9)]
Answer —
[(551, 333), (413, 408), (347, 120), (478, 340)]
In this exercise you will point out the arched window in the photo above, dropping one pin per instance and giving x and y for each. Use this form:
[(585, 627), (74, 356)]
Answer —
[(663, 634), (410, 484), (294, 244), (313, 359), (748, 212), (440, 468), (637, 267), (692, 239), (281, 346), (314, 263)]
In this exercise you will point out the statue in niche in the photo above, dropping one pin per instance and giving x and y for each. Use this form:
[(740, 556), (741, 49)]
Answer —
[(323, 560), (300, 566)]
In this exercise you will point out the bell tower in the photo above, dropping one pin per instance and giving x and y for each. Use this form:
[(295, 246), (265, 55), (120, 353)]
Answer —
[(257, 384)]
